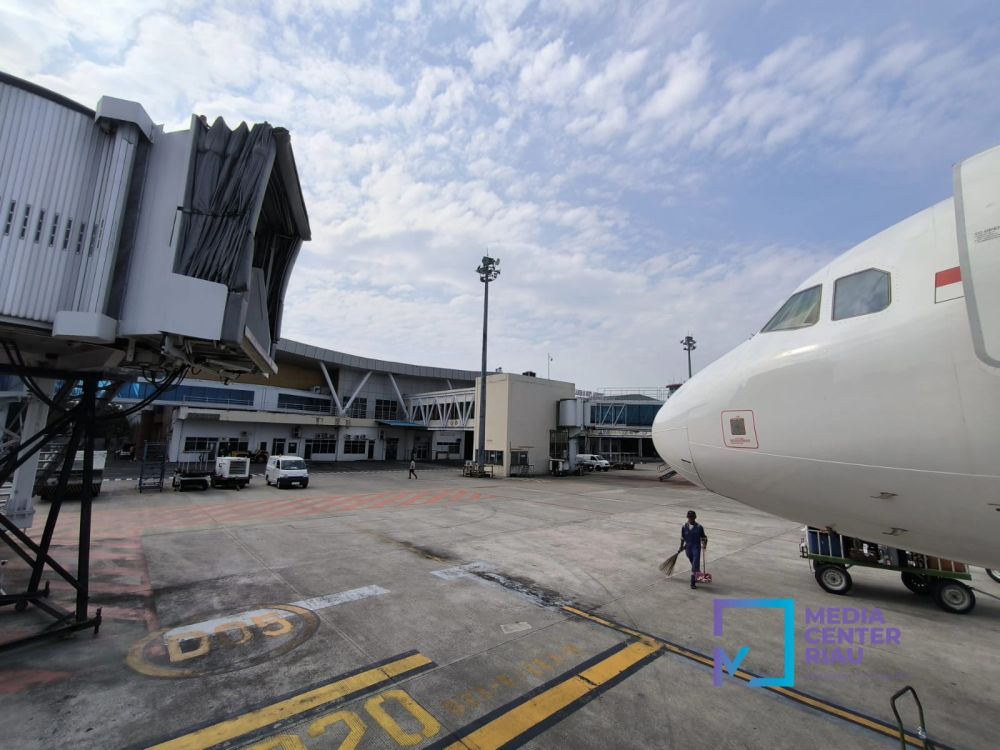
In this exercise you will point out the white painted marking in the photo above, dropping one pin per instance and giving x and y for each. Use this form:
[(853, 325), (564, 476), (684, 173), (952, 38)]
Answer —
[(247, 618), (208, 626), (515, 627), (332, 600), (462, 571)]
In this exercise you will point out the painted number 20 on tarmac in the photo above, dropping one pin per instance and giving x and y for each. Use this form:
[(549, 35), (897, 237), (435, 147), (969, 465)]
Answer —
[(352, 726)]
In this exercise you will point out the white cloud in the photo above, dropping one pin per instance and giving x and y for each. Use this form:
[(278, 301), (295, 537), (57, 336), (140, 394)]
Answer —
[(687, 75), (552, 76), (579, 141)]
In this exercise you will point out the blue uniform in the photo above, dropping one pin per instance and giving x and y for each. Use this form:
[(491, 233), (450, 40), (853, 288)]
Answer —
[(692, 537)]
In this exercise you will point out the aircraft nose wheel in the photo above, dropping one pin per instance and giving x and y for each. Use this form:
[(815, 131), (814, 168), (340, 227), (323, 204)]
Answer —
[(954, 597), (834, 578)]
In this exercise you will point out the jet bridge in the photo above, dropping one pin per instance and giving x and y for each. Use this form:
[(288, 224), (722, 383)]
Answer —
[(126, 251)]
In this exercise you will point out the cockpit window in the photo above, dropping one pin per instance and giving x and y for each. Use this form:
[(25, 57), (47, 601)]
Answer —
[(860, 294), (801, 311)]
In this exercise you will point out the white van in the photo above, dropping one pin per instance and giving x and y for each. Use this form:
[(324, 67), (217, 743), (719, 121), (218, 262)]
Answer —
[(593, 462), (284, 471)]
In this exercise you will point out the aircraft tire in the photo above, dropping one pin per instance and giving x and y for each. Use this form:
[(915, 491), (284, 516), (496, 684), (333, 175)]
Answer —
[(954, 597), (834, 579), (917, 583)]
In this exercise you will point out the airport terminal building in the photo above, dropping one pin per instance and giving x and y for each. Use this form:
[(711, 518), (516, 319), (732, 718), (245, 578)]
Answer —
[(329, 406)]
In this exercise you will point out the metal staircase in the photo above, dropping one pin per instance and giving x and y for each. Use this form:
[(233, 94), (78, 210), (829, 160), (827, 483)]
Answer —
[(153, 467)]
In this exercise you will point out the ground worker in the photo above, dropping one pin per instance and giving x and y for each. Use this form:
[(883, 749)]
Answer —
[(693, 539)]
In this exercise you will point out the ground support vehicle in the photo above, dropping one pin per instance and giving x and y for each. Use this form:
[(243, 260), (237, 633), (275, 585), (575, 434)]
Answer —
[(231, 471), (194, 471), (831, 555), (593, 462), (622, 460), (47, 474), (284, 471)]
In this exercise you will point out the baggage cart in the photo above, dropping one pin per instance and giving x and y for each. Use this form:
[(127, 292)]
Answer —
[(831, 555), (194, 471)]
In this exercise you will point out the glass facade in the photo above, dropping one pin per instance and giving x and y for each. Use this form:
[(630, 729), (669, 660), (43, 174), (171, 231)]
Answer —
[(303, 403), (631, 415), (197, 394)]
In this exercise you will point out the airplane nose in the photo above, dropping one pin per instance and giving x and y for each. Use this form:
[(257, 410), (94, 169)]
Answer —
[(670, 437)]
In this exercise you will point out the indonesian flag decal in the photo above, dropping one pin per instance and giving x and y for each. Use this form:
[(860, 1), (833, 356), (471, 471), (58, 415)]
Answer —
[(948, 285)]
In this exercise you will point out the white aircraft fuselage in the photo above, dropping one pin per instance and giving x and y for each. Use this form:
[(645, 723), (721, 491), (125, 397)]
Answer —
[(883, 425)]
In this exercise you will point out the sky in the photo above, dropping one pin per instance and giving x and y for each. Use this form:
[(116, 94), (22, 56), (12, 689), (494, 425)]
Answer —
[(643, 170)]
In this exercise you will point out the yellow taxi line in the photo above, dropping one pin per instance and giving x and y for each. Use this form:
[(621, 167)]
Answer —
[(534, 712), (795, 695), (291, 707)]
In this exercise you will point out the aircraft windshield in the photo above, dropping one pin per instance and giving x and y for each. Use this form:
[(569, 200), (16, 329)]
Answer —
[(293, 463), (801, 310)]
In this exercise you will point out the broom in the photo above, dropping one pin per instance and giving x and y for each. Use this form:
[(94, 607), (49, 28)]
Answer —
[(667, 566)]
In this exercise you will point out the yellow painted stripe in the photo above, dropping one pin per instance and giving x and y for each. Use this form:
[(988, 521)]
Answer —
[(291, 707), (523, 717), (746, 677)]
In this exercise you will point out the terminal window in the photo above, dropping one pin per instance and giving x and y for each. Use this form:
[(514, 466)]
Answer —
[(493, 457), (385, 409), (229, 447), (359, 409), (323, 445), (355, 445), (199, 444), (303, 403), (189, 394)]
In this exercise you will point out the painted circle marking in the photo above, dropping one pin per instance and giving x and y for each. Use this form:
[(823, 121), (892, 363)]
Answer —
[(223, 644)]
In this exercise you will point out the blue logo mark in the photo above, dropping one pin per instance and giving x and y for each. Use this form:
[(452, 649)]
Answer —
[(722, 659)]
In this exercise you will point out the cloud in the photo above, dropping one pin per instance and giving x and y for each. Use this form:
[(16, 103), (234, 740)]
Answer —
[(552, 75), (600, 150), (687, 75)]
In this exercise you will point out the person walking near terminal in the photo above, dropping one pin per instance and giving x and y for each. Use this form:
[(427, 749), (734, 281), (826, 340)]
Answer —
[(693, 540), (413, 470)]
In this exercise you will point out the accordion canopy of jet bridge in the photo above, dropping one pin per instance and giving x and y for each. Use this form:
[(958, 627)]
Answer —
[(124, 247)]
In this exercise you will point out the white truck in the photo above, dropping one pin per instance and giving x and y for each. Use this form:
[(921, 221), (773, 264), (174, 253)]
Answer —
[(593, 462)]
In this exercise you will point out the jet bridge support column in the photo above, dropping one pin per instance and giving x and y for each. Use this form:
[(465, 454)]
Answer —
[(20, 506), (81, 420)]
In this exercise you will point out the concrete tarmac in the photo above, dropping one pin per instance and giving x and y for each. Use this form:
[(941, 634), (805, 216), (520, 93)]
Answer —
[(376, 611)]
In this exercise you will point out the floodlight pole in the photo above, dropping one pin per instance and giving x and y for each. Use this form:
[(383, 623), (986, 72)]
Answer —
[(488, 271), (688, 343)]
